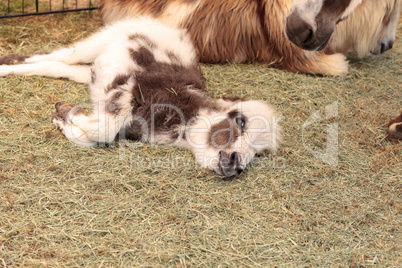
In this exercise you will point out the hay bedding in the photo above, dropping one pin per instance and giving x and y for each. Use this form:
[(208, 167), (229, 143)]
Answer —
[(62, 205), (29, 6)]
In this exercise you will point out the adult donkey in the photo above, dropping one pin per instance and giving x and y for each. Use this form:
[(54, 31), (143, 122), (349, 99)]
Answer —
[(371, 26), (254, 30)]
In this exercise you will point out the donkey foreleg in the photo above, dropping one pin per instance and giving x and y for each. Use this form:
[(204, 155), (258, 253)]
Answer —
[(83, 52), (54, 69), (99, 127)]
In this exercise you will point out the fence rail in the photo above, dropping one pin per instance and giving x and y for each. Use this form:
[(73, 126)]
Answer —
[(19, 8)]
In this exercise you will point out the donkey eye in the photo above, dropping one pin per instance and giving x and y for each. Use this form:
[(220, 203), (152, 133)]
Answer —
[(241, 123)]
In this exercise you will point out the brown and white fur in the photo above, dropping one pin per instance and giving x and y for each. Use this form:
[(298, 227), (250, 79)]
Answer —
[(310, 24), (145, 84), (254, 30), (394, 128)]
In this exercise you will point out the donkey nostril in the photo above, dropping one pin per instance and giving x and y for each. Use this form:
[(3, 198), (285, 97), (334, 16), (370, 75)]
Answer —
[(300, 31), (309, 36), (391, 43), (239, 171), (383, 47), (220, 154)]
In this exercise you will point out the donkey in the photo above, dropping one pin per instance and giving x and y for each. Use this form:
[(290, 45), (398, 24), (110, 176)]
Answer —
[(247, 31), (146, 84), (311, 24), (370, 28)]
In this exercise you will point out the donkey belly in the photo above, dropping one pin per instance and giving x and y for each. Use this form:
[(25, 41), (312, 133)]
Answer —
[(147, 131)]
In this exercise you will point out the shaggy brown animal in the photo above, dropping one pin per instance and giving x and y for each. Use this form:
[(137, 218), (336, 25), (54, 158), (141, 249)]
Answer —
[(253, 31)]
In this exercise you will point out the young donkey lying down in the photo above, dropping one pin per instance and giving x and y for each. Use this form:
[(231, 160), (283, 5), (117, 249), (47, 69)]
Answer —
[(145, 84)]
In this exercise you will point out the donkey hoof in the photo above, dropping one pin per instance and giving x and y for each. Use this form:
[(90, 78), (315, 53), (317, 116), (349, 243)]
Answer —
[(62, 109), (58, 104)]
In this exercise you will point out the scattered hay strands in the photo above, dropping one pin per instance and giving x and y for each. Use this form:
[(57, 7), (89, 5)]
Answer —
[(63, 205)]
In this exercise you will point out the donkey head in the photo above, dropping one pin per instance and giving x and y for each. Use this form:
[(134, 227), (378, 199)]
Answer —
[(228, 139), (369, 29), (384, 25), (311, 23)]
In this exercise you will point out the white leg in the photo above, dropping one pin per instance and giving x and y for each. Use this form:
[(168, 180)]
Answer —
[(54, 69), (83, 52), (99, 127)]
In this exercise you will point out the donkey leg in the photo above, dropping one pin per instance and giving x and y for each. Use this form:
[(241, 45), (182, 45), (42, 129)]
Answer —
[(99, 127), (82, 52), (71, 132), (54, 69), (112, 112)]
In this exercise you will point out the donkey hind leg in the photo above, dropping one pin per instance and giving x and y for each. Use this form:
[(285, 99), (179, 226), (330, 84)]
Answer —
[(82, 52), (54, 69), (99, 127)]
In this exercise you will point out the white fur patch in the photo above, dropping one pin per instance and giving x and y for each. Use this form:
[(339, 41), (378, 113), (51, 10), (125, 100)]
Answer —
[(308, 9), (262, 132)]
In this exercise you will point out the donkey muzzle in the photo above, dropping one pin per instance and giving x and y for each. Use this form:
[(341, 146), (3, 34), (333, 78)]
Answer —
[(383, 46), (230, 165)]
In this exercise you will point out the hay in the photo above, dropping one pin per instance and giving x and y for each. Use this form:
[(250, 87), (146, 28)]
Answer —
[(141, 205)]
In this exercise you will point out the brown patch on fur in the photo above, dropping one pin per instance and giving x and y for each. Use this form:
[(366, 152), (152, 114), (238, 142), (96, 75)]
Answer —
[(164, 95), (223, 134), (112, 105), (12, 59), (143, 57), (333, 9), (118, 81), (224, 23), (140, 38), (233, 114), (93, 76), (173, 57)]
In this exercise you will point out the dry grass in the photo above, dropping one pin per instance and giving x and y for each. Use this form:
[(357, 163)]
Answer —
[(14, 7), (139, 205)]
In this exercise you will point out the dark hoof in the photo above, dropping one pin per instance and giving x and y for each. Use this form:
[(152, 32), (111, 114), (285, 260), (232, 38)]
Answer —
[(12, 59), (58, 104), (62, 109)]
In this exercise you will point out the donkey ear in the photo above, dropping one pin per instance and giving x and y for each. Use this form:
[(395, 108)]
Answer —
[(227, 102)]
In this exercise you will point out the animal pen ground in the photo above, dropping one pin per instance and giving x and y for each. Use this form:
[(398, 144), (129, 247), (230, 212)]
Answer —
[(142, 205), (18, 8)]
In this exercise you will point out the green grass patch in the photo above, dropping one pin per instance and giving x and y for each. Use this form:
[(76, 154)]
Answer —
[(141, 205)]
